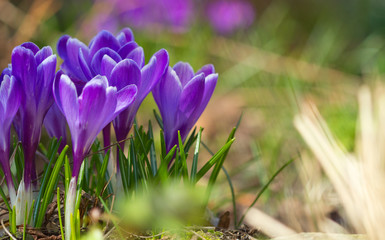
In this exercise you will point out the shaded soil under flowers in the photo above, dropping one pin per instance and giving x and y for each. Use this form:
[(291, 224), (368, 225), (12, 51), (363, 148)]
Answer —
[(51, 226)]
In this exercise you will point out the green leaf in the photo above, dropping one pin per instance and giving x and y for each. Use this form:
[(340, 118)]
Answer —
[(48, 192), (194, 166), (13, 222), (54, 146), (102, 173), (31, 211), (67, 174), (217, 157), (79, 186), (162, 173), (25, 220), (125, 171), (5, 199), (59, 213), (154, 166), (190, 141), (218, 165), (158, 119), (182, 159)]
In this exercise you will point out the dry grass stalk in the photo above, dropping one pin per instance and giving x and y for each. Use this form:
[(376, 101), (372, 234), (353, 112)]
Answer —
[(266, 224), (357, 178)]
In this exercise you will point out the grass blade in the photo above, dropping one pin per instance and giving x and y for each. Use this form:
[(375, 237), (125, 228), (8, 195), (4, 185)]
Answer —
[(158, 119), (5, 199), (48, 193), (59, 213), (25, 221), (194, 166), (263, 190), (182, 159), (54, 146), (217, 157), (102, 173), (154, 166)]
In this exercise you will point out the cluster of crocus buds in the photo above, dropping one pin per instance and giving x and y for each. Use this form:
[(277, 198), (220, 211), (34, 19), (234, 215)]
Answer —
[(102, 83)]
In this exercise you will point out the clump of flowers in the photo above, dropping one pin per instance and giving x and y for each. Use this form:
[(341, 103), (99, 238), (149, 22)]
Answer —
[(102, 83)]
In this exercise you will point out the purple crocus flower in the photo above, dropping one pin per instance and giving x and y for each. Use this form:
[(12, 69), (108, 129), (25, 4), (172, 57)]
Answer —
[(55, 124), (181, 96), (82, 63), (108, 56), (145, 79), (35, 69), (87, 114), (9, 104), (226, 16)]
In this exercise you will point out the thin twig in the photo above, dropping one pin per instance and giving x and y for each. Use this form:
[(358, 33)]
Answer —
[(6, 230), (108, 147)]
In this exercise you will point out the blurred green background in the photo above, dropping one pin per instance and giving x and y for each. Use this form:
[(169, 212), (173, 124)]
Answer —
[(293, 50)]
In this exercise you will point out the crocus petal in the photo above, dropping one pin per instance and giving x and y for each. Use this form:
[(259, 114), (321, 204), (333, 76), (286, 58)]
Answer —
[(55, 124), (126, 49), (184, 71), (125, 97), (97, 59), (125, 73), (206, 69), (11, 88), (69, 101), (4, 91), (137, 55), (125, 36), (74, 47), (45, 77), (92, 98), (62, 47), (167, 94), (56, 89), (107, 65), (6, 71), (104, 39), (31, 46), (109, 107), (192, 95), (44, 53), (24, 69), (84, 65), (152, 73), (210, 83)]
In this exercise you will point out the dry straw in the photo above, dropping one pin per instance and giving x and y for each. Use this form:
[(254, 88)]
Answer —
[(359, 177)]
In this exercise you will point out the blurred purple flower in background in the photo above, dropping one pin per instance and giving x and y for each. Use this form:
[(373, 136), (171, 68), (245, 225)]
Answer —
[(9, 104), (227, 16), (173, 14), (182, 96)]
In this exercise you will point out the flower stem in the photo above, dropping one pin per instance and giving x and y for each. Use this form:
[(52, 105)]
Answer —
[(70, 207)]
